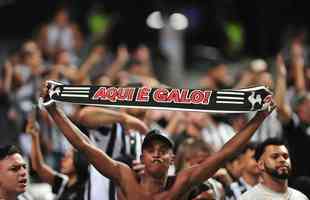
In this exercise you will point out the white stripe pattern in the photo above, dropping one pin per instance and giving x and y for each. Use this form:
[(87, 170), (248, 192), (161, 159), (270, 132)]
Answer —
[(74, 91), (74, 95), (230, 102), (76, 88), (233, 98), (80, 92), (226, 95), (233, 93)]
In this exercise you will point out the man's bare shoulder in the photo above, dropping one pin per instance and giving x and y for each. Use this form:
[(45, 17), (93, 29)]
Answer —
[(128, 180), (126, 171)]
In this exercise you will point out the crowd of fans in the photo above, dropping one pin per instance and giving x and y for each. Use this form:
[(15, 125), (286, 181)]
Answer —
[(57, 170)]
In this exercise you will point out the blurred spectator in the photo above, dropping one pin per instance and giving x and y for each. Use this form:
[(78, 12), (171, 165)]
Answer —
[(258, 75), (217, 132), (230, 177), (217, 77), (61, 33), (250, 173), (143, 55), (30, 71), (296, 132), (194, 124), (70, 184), (192, 152), (295, 121), (66, 72), (240, 174), (8, 116)]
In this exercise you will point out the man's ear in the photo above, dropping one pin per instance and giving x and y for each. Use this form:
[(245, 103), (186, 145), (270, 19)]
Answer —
[(172, 159), (261, 165)]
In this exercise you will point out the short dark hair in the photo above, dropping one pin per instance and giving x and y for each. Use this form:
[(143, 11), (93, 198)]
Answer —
[(270, 141), (8, 150), (250, 146), (236, 155)]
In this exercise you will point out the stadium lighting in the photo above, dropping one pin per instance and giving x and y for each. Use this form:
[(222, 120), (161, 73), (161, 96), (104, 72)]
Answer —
[(155, 20), (178, 21)]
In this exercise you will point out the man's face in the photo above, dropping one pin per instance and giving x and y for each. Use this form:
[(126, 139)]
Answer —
[(250, 164), (67, 163), (35, 59), (157, 157), (235, 167), (64, 58), (13, 174), (197, 157), (275, 161), (304, 111), (62, 18)]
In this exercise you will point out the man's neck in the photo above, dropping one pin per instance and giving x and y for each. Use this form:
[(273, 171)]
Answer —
[(153, 185), (6, 196), (275, 184), (250, 179), (72, 180)]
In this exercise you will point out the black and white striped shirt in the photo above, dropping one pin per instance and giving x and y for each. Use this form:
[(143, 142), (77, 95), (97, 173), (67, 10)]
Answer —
[(115, 142)]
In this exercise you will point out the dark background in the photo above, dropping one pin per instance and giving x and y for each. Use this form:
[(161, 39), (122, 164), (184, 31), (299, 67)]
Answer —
[(265, 22)]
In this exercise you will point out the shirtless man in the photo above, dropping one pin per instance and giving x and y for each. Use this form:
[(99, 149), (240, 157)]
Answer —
[(156, 156)]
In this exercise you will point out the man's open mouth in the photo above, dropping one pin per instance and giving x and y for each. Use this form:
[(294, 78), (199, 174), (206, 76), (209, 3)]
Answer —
[(157, 161), (23, 181)]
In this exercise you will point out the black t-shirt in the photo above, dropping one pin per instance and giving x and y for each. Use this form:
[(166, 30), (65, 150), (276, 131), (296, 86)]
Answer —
[(63, 192), (297, 135)]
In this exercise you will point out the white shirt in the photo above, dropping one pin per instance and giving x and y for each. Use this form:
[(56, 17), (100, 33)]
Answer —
[(218, 135), (271, 127), (261, 192)]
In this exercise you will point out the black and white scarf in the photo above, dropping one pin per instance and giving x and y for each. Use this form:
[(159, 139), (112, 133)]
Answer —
[(182, 99)]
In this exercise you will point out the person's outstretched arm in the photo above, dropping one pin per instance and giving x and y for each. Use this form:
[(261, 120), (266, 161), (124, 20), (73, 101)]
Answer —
[(202, 172), (103, 163), (95, 117), (46, 173), (284, 110)]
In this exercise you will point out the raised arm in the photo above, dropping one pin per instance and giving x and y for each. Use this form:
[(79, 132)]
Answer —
[(119, 62), (44, 171), (298, 63), (95, 117), (103, 163), (284, 110), (202, 172), (8, 76), (94, 57)]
